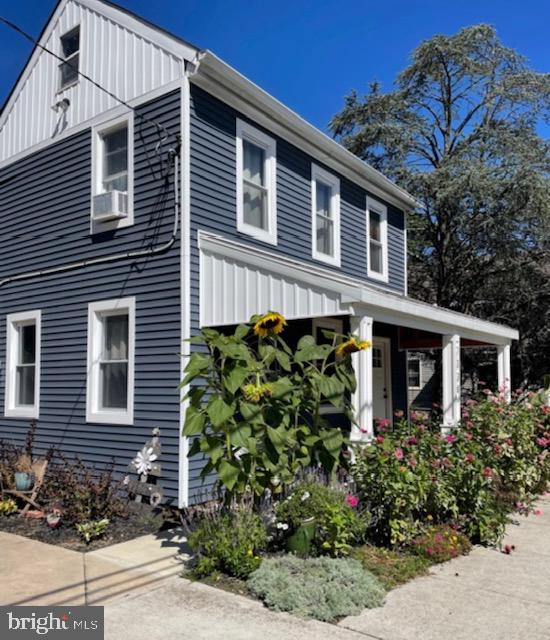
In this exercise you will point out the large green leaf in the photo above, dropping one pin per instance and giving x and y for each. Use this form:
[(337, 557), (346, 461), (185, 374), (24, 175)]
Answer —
[(194, 421), (212, 447), (241, 435), (313, 352), (283, 359), (332, 389), (198, 365), (228, 471), (220, 411), (235, 378), (277, 438), (332, 440), (241, 331)]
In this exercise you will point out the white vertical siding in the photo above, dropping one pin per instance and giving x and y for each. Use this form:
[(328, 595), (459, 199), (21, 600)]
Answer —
[(231, 291), (119, 59)]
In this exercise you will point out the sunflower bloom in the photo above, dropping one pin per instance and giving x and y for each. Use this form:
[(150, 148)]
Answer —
[(352, 345), (269, 324), (255, 392)]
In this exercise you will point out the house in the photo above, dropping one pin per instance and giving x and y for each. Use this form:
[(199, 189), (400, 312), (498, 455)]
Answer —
[(148, 189)]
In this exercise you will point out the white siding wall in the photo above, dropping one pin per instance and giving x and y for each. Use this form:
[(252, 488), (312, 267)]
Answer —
[(116, 57)]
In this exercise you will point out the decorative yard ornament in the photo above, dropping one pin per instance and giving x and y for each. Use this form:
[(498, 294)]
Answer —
[(148, 469)]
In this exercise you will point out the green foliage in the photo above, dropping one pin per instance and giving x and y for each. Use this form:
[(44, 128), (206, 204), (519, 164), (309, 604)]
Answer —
[(92, 529), (321, 588), (255, 412), (392, 567), (460, 132), (228, 542), (495, 463), (7, 506), (440, 543), (337, 525)]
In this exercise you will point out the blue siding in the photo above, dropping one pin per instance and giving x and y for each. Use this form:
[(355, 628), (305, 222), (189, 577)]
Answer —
[(213, 196), (44, 217)]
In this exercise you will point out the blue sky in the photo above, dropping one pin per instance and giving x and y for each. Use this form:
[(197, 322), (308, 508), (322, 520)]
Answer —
[(308, 54)]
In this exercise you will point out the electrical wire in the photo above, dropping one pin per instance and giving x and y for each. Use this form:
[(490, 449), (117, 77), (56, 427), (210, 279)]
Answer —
[(160, 128)]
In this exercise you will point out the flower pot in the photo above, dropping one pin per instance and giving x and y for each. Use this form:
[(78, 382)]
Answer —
[(300, 541), (34, 514), (53, 519), (23, 480)]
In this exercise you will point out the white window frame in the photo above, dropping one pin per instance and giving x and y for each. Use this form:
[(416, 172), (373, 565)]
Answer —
[(246, 131), (319, 174), (13, 320), (97, 310), (409, 360), (382, 210), (61, 88), (97, 171)]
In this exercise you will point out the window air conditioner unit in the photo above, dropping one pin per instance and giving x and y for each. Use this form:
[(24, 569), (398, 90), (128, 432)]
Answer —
[(111, 205)]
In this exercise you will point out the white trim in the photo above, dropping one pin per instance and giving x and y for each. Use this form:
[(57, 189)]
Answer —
[(377, 340), (61, 88), (185, 289), (504, 371), (112, 113), (362, 430), (246, 131), (97, 169), (96, 310), (405, 257), (420, 361), (13, 321), (319, 174), (382, 211), (365, 298)]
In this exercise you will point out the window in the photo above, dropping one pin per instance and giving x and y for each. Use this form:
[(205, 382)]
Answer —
[(377, 358), (325, 211), (70, 52), (377, 240), (23, 365), (110, 391), (112, 174), (415, 373), (256, 183)]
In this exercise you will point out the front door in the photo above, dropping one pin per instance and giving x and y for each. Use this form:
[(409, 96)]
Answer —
[(381, 378)]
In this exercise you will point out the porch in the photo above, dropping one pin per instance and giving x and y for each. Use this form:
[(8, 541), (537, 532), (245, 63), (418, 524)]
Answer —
[(238, 280)]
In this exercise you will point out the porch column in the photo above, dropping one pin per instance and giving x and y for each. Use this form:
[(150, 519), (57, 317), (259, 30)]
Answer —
[(451, 380), (361, 327), (504, 371)]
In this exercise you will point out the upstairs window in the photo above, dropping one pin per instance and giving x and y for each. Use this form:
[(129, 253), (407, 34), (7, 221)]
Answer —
[(70, 52), (23, 365), (111, 327), (256, 183), (377, 242), (112, 179), (325, 211)]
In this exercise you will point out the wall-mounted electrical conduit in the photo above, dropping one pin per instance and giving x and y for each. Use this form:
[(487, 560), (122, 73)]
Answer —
[(127, 255)]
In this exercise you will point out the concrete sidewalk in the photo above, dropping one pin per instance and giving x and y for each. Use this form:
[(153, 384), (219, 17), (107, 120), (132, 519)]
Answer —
[(486, 595)]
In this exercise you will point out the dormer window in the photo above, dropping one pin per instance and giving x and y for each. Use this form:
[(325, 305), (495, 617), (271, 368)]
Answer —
[(70, 52)]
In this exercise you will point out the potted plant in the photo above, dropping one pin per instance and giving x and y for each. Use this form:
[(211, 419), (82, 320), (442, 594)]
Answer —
[(300, 542), (53, 517), (23, 473)]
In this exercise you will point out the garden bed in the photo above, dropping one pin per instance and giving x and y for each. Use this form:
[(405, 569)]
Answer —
[(141, 520)]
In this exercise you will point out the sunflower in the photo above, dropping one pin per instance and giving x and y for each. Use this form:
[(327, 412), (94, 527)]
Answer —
[(255, 392), (269, 324), (351, 345)]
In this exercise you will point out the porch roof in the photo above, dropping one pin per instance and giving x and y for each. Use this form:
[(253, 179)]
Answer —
[(238, 280)]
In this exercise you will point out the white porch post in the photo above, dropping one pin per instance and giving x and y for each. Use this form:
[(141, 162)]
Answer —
[(451, 380), (361, 327), (504, 371)]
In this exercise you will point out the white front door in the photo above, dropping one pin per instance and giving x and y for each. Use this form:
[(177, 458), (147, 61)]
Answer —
[(381, 378)]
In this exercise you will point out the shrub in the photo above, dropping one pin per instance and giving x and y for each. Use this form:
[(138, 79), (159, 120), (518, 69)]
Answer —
[(256, 415), (337, 524), (392, 567), (7, 507), (228, 542), (440, 543), (85, 494), (321, 588), (92, 529)]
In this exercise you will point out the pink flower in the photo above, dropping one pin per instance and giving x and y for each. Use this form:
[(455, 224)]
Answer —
[(363, 430), (380, 439), (352, 501), (450, 438), (413, 462), (383, 424), (446, 462), (430, 551), (469, 457), (412, 441), (542, 442), (438, 537), (487, 472), (467, 434), (398, 453), (537, 512), (470, 402)]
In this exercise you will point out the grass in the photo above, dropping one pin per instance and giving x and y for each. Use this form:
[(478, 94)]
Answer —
[(391, 567), (221, 581)]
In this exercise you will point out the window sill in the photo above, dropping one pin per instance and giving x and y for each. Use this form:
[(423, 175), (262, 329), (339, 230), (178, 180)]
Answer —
[(20, 412), (380, 277), (110, 417), (321, 257), (66, 87), (258, 234)]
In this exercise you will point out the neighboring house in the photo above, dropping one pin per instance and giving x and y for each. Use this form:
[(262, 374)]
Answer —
[(199, 202)]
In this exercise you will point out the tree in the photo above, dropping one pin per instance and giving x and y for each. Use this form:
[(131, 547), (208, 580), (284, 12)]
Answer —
[(460, 132)]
